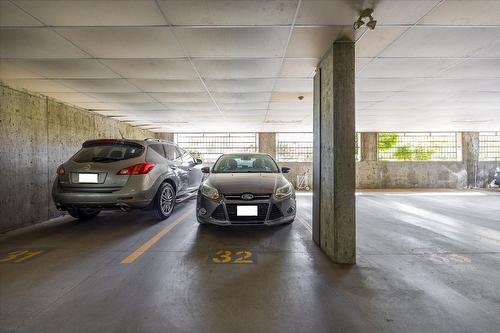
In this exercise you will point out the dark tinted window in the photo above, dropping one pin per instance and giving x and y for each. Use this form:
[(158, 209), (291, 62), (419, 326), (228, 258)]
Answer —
[(172, 152), (158, 148), (107, 153), (245, 163)]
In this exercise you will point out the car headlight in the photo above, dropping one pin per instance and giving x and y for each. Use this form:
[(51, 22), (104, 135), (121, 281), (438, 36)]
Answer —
[(209, 192), (284, 191)]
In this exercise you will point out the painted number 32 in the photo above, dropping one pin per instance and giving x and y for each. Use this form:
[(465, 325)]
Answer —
[(229, 257)]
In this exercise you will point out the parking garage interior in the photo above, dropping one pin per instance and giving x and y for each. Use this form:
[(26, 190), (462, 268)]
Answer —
[(387, 113)]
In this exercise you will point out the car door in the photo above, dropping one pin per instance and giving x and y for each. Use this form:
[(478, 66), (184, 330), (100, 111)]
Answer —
[(194, 170), (174, 157)]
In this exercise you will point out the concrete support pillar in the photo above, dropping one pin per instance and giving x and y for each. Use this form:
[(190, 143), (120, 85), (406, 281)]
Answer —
[(470, 156), (165, 136), (368, 145), (334, 223), (267, 143)]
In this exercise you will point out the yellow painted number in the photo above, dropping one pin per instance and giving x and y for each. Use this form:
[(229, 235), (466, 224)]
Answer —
[(19, 256), (222, 257), (227, 257), (243, 257)]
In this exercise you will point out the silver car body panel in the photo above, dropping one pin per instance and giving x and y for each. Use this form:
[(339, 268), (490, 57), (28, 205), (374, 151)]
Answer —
[(122, 191)]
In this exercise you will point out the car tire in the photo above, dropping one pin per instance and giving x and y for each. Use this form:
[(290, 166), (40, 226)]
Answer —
[(164, 202), (84, 213)]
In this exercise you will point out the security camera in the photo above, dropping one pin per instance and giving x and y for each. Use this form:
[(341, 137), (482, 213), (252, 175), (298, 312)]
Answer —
[(365, 14), (358, 24), (371, 24)]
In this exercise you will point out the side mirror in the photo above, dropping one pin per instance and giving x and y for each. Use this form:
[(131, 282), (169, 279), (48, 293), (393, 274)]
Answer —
[(198, 161), (285, 169), (205, 170)]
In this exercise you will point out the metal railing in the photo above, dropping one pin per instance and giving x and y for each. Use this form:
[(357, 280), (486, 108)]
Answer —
[(209, 146), (294, 147), (489, 146), (424, 146)]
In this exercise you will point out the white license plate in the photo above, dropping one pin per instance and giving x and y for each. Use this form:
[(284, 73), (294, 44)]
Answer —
[(88, 178), (246, 211)]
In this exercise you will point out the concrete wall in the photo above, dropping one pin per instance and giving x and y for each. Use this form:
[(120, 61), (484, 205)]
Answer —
[(422, 174), (267, 143), (373, 174), (382, 174), (36, 135), (485, 173), (470, 172), (379, 175)]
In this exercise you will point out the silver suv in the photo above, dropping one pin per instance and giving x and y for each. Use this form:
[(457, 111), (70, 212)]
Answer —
[(126, 174)]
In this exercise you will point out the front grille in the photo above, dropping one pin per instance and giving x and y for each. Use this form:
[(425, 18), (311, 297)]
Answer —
[(261, 213), (247, 222), (275, 213), (218, 213), (256, 196)]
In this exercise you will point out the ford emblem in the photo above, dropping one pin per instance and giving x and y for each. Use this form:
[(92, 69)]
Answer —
[(247, 196)]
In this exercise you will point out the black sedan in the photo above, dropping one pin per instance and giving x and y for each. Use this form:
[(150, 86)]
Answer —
[(243, 189)]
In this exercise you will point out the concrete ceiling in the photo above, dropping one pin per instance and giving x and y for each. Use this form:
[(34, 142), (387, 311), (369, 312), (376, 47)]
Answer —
[(218, 65)]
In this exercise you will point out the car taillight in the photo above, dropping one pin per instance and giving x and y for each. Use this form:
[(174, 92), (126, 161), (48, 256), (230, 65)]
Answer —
[(60, 170), (137, 169)]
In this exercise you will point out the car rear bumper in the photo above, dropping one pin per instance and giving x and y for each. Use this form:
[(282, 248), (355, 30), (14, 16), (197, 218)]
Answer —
[(124, 198), (221, 212)]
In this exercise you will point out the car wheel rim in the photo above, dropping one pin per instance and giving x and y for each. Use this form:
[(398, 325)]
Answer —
[(167, 200)]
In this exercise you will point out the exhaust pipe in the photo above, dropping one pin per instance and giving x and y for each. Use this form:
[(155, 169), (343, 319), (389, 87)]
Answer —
[(124, 208)]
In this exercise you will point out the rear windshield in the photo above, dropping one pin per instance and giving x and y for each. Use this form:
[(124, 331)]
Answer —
[(107, 153), (245, 163)]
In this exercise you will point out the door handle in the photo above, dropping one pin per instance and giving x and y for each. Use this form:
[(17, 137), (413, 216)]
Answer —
[(173, 167)]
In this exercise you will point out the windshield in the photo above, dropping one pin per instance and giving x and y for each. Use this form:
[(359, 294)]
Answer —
[(245, 163), (107, 153)]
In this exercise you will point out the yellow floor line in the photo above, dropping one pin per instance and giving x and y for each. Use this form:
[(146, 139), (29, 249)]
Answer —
[(144, 247)]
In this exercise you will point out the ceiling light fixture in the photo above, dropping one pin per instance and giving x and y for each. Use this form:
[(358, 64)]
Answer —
[(282, 122), (365, 14), (472, 121)]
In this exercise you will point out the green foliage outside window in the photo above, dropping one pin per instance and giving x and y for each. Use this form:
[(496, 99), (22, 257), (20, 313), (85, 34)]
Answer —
[(415, 147), (386, 141)]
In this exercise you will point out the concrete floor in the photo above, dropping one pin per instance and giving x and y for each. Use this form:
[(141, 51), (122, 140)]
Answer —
[(427, 262)]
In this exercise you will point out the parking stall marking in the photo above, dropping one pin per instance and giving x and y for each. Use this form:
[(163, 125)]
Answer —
[(153, 240), (450, 258), (307, 226), (19, 256), (230, 256)]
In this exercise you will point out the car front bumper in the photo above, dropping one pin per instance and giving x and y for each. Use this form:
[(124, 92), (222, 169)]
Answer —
[(223, 212)]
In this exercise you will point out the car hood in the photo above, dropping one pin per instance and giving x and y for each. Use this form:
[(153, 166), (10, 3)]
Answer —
[(236, 183)]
